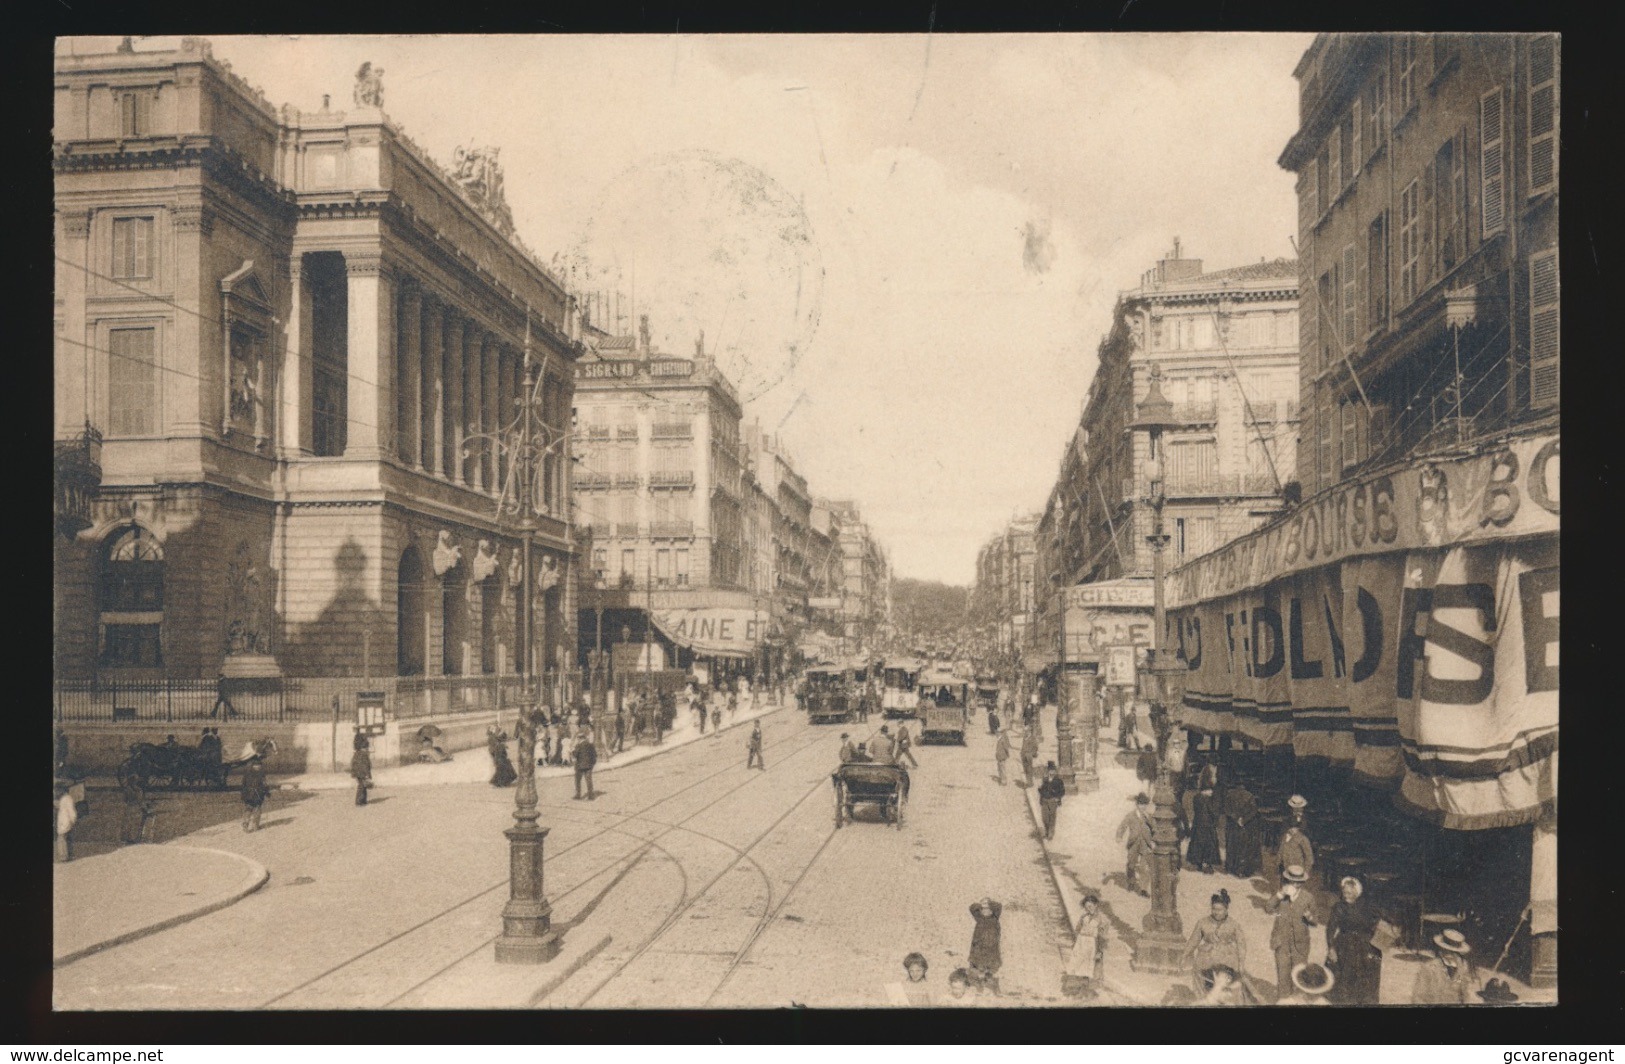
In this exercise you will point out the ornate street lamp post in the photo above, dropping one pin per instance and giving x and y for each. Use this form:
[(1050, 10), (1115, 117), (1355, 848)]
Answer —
[(1161, 947), (527, 936)]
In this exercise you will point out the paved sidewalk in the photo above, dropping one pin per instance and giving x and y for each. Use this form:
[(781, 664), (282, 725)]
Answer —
[(474, 765), (111, 898), (1085, 854)]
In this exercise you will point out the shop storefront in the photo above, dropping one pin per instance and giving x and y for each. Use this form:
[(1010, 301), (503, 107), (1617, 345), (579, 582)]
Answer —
[(1392, 645)]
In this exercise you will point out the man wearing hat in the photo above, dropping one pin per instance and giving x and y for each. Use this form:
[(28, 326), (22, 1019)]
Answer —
[(1294, 916), (1311, 982), (255, 790), (1135, 834), (1295, 847), (882, 748), (1050, 793), (848, 751), (1448, 977)]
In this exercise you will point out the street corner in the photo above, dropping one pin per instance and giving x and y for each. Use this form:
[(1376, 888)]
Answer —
[(117, 897)]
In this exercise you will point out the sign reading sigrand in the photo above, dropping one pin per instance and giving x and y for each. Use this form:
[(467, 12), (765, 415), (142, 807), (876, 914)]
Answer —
[(625, 368), (1508, 491)]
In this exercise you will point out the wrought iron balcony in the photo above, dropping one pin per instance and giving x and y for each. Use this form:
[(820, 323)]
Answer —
[(672, 529), (626, 529), (671, 478), (626, 432), (586, 480), (78, 476), (1196, 413), (672, 430)]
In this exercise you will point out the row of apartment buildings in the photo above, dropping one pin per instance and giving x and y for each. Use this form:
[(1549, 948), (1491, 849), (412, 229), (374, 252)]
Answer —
[(1361, 486), (693, 512), (293, 357)]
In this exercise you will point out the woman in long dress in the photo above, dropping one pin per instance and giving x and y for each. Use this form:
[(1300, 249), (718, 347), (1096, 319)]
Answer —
[(985, 958), (1082, 972), (1349, 952), (496, 742), (1243, 856), (1216, 945), (1203, 852)]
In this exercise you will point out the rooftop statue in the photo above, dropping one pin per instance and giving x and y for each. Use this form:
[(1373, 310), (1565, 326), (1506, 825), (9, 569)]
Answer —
[(369, 86)]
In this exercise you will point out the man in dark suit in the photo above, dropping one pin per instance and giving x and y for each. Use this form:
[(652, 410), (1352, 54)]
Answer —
[(1050, 793), (586, 756)]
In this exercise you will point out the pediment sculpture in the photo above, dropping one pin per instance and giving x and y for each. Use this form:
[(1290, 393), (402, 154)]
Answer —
[(369, 86), (446, 554), (548, 578), (485, 560), (479, 173)]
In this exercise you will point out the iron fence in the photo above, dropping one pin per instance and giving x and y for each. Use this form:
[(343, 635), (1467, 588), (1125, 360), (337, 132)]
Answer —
[(288, 700)]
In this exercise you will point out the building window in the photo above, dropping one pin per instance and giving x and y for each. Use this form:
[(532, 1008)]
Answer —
[(132, 382), (1323, 180), (132, 587), (1544, 332), (600, 563), (1410, 245), (135, 114), (663, 567), (1324, 294), (1375, 115), (1323, 456), (1192, 466), (680, 557), (1349, 432), (132, 249), (1350, 294), (1542, 110), (1376, 259), (330, 360), (1492, 162), (1406, 89), (1336, 168), (1450, 203), (1345, 136), (629, 565)]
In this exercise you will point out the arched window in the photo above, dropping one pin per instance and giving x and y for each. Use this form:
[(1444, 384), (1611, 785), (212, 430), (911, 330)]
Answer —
[(132, 600), (410, 611)]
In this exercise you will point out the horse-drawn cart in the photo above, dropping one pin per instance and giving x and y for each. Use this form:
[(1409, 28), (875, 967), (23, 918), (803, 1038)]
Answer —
[(174, 767), (884, 786)]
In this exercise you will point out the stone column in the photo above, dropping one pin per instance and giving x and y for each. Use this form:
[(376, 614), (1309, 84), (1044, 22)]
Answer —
[(298, 388), (455, 425), (507, 360), (410, 349), (1543, 902), (490, 353), (190, 396), (473, 395), (371, 356), (434, 387), (77, 364)]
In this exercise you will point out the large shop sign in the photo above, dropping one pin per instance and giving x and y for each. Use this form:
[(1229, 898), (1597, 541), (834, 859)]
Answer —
[(1438, 668), (715, 630), (1506, 492)]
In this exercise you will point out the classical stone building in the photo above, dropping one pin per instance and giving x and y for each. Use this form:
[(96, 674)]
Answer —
[(288, 329), (1002, 600)]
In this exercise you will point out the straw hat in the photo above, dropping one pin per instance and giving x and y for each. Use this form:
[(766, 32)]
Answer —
[(1297, 801), (1452, 940), (1294, 874), (1313, 979), (1497, 992)]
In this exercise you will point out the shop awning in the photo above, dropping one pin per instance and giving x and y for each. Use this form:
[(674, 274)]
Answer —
[(716, 631)]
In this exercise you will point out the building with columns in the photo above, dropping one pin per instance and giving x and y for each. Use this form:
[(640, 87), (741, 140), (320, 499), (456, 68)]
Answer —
[(288, 331)]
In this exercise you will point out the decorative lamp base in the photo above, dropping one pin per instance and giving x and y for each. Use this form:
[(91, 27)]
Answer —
[(1159, 952)]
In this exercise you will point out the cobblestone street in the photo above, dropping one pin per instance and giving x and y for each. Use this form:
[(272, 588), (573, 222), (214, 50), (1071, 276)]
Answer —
[(691, 878)]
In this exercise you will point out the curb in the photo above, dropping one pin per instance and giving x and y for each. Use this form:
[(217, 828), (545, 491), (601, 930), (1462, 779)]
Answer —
[(342, 782), (253, 879)]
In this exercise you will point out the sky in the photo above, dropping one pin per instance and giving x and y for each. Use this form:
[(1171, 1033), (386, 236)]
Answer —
[(905, 248)]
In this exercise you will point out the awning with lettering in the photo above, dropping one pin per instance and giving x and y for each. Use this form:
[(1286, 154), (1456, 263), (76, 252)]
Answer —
[(718, 631), (1433, 669)]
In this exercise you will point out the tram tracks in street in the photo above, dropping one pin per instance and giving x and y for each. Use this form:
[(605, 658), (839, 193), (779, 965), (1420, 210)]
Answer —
[(617, 828)]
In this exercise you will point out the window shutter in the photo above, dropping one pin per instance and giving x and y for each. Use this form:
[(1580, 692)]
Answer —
[(1363, 293), (1491, 148), (141, 234), (1425, 228), (1334, 164), (1542, 113), (1306, 199), (121, 247), (1350, 296), (1323, 459), (1544, 334), (1359, 131)]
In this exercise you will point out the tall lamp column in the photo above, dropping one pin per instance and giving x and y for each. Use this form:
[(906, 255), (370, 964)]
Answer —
[(1161, 946)]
